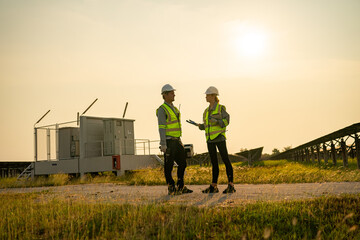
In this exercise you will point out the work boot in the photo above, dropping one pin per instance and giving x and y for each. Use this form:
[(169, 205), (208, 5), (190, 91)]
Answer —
[(211, 189), (184, 189), (172, 190), (229, 189)]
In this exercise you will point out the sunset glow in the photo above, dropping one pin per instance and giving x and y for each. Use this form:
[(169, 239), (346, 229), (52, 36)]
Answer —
[(287, 71), (252, 44)]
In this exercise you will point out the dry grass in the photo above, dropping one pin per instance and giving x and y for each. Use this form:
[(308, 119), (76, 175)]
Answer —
[(263, 172), (24, 216)]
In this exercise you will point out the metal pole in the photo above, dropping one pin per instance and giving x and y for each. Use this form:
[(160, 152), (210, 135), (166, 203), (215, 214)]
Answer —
[(302, 155), (312, 154), (325, 153), (89, 107), (57, 142), (307, 155), (35, 135), (125, 109), (357, 145), (42, 117), (318, 153), (48, 143), (35, 144), (333, 152), (344, 153)]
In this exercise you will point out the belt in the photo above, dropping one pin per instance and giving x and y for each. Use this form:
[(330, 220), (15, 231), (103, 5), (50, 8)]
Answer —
[(173, 138)]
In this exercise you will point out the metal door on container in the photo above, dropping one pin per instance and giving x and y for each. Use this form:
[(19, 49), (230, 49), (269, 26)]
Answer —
[(109, 138), (128, 144), (112, 136)]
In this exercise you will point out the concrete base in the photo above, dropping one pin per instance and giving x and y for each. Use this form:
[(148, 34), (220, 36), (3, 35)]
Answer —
[(120, 173), (95, 164), (54, 167)]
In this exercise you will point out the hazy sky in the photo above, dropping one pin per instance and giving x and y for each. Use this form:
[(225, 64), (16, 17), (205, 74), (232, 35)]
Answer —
[(287, 71)]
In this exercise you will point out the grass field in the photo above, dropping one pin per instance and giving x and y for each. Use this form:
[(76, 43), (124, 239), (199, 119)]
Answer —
[(28, 216), (24, 216), (272, 172)]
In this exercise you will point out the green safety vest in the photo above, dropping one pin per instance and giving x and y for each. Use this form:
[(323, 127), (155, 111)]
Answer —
[(173, 125), (212, 130)]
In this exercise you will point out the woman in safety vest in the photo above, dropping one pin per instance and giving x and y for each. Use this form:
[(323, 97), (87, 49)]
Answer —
[(215, 120)]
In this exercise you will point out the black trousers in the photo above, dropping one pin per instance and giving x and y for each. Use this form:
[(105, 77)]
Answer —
[(214, 160), (175, 152)]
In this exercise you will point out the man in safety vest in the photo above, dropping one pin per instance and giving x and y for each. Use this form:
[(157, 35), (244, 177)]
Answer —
[(170, 143)]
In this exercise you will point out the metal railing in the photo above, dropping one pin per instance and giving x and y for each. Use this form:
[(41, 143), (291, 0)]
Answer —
[(146, 146), (342, 143), (46, 141)]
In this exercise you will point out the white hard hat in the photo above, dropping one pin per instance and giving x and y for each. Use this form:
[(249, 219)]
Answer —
[(212, 90), (167, 88)]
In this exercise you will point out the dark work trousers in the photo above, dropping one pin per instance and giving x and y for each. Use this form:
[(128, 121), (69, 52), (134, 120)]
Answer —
[(214, 160), (175, 152)]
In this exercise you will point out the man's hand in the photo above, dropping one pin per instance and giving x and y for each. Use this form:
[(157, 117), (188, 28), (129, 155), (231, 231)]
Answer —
[(163, 148)]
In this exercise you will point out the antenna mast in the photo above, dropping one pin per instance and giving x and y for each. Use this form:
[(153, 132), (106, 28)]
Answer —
[(89, 107), (42, 117), (125, 109)]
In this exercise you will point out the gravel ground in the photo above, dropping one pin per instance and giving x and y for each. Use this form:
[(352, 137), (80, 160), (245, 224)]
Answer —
[(115, 193)]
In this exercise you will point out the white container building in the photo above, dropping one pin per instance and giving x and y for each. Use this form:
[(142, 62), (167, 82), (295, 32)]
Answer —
[(95, 144)]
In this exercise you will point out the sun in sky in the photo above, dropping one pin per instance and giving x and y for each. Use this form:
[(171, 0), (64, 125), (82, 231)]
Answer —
[(251, 44), (249, 41)]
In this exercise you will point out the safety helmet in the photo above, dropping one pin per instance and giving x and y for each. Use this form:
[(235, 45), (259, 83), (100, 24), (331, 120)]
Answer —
[(167, 88), (212, 90)]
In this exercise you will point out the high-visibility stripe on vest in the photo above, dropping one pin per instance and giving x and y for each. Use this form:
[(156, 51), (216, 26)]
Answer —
[(173, 125), (212, 130)]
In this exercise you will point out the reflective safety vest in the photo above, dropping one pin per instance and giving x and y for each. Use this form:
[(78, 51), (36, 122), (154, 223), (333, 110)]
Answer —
[(173, 125), (213, 129)]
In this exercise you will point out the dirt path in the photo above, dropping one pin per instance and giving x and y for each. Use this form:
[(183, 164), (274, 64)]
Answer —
[(114, 193)]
